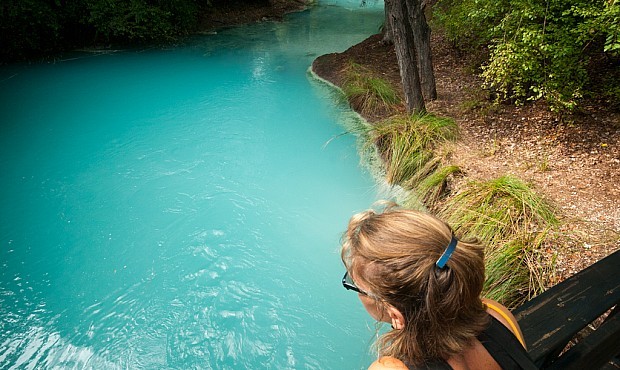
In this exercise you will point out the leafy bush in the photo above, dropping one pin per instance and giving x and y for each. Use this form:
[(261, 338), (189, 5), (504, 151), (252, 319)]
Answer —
[(537, 49), (141, 20), (27, 26), (469, 24), (34, 28)]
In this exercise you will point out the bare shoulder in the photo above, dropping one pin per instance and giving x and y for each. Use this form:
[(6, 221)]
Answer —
[(388, 363)]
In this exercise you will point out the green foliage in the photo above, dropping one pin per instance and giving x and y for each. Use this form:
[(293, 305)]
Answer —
[(538, 50), (512, 221), (406, 144), (141, 20), (468, 23), (430, 187), (497, 208), (367, 92), (611, 93), (27, 25), (34, 28), (506, 275)]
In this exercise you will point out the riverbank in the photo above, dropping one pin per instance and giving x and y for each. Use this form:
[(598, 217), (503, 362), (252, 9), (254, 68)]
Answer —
[(572, 161), (235, 14)]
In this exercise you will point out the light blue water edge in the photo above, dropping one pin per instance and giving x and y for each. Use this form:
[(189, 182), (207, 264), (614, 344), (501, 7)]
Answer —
[(182, 208)]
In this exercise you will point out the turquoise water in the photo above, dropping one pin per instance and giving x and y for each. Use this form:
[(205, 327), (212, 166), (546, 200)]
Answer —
[(180, 208)]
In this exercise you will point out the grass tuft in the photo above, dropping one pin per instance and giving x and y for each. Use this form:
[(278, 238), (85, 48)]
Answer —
[(407, 144), (505, 273), (366, 92), (431, 187), (502, 207), (508, 217)]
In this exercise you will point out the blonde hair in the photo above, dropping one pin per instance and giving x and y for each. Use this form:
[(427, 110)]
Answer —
[(393, 253)]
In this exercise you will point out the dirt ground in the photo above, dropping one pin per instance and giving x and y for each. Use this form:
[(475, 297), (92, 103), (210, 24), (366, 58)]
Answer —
[(573, 161)]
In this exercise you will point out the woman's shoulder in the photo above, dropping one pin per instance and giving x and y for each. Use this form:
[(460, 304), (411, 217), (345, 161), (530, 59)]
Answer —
[(387, 363), (392, 363), (504, 316), (496, 307)]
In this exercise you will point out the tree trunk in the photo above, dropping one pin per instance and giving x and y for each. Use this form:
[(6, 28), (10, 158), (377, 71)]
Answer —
[(388, 24), (422, 41), (405, 54)]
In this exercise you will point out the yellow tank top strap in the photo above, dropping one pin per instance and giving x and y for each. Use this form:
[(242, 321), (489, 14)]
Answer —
[(513, 325)]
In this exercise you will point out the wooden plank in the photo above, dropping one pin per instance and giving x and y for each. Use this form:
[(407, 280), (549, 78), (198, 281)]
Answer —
[(594, 351), (550, 320), (610, 366), (614, 364)]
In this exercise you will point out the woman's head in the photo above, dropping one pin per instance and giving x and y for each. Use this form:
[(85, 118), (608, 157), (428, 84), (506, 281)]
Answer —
[(392, 255)]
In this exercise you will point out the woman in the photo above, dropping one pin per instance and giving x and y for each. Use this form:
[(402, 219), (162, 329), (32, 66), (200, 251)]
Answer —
[(411, 272)]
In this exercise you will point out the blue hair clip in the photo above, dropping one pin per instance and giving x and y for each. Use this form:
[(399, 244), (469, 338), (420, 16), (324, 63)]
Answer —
[(441, 262)]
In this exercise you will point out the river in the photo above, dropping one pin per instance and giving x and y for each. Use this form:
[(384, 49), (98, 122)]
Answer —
[(181, 207)]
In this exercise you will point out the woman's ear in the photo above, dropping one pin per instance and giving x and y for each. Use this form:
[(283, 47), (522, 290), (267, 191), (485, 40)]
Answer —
[(396, 317)]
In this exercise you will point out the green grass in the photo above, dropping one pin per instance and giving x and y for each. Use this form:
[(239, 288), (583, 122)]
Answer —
[(366, 92), (516, 272), (430, 188), (505, 274), (513, 222), (497, 208), (407, 144)]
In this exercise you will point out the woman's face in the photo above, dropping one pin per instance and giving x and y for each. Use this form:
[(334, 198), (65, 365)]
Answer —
[(373, 306)]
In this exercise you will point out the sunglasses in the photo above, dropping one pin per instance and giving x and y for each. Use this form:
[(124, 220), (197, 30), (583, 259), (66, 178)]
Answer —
[(348, 284)]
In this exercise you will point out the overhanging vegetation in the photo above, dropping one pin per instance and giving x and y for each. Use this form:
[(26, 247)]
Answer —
[(551, 50)]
